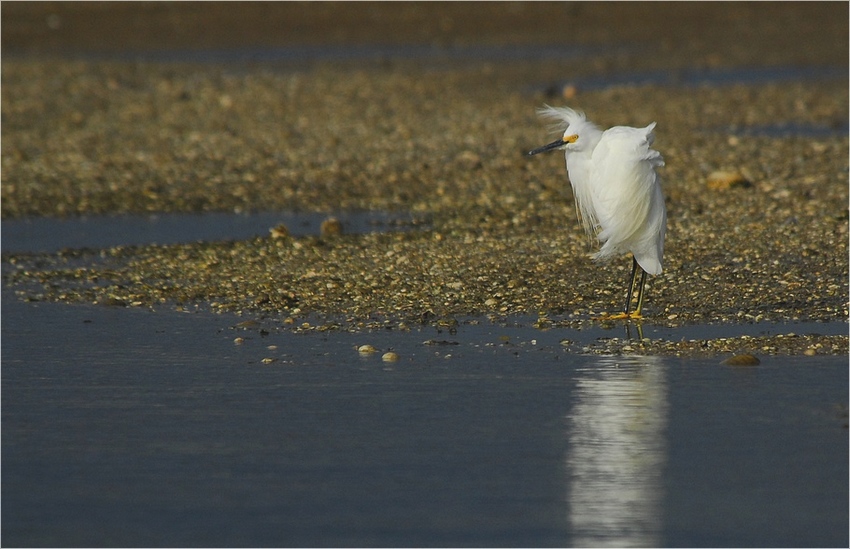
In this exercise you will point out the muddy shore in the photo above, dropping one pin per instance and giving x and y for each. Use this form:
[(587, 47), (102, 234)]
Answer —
[(444, 141)]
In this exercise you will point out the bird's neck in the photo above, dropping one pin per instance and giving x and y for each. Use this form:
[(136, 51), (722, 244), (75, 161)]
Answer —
[(578, 167)]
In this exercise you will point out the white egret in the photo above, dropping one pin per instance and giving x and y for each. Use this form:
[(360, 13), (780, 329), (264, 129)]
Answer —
[(617, 191)]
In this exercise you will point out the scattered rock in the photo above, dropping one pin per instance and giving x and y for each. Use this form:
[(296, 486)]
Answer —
[(279, 231), (744, 359), (720, 181), (468, 160), (331, 227)]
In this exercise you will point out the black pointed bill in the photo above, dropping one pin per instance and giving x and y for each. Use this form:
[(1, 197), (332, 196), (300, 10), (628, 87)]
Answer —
[(554, 145)]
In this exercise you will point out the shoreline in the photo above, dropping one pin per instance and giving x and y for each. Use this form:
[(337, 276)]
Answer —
[(446, 143)]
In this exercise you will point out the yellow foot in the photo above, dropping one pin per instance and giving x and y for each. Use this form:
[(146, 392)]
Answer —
[(621, 316)]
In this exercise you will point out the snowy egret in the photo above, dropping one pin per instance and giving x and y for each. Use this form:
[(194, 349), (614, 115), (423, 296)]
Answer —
[(617, 191)]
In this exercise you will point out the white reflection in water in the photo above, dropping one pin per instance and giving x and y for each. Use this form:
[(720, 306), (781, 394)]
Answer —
[(617, 451)]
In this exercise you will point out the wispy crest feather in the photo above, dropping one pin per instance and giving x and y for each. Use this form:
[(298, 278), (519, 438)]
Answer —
[(562, 117)]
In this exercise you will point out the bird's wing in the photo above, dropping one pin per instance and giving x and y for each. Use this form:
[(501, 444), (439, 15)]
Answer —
[(626, 190)]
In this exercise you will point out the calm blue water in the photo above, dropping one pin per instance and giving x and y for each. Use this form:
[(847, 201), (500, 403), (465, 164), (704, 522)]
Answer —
[(132, 427), (127, 427)]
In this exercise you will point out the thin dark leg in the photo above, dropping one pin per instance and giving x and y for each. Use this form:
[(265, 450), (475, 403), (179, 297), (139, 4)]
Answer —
[(632, 279), (639, 327), (640, 295)]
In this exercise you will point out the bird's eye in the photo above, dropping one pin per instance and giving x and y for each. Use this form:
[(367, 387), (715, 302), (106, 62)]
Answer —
[(571, 138)]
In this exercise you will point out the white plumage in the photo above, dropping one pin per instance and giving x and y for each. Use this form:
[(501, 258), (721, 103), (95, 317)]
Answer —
[(616, 187)]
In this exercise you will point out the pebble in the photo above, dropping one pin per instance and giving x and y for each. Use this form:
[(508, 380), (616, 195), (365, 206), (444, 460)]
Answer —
[(389, 357), (279, 231), (744, 359), (248, 324), (330, 227), (468, 160), (720, 181)]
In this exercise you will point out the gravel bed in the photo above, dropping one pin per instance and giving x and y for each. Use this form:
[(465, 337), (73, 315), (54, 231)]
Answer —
[(446, 143)]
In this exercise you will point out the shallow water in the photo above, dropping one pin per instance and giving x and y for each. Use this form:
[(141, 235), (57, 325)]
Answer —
[(133, 427), (236, 58), (692, 77), (791, 129), (48, 234)]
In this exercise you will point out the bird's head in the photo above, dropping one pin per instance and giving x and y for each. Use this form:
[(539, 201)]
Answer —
[(580, 134)]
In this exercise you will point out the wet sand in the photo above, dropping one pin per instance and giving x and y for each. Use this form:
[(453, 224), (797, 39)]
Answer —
[(443, 140)]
